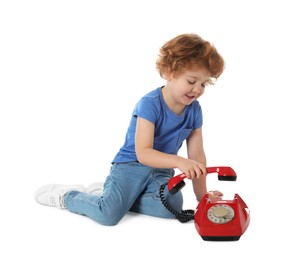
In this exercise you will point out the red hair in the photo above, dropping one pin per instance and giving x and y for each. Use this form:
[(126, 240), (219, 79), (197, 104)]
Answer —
[(187, 50)]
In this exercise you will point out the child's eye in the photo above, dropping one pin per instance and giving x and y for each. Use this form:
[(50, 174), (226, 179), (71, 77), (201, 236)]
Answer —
[(192, 82)]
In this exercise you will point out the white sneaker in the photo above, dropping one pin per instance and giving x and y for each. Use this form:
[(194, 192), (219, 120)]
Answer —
[(95, 189), (53, 194)]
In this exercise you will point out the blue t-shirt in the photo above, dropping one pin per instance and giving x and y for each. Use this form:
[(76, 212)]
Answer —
[(170, 129)]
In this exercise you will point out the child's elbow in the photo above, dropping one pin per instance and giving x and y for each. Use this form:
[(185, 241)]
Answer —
[(141, 156)]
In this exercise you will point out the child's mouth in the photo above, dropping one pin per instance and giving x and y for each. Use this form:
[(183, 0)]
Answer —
[(190, 96)]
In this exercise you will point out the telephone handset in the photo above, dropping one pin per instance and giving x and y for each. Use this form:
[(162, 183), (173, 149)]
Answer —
[(224, 174), (220, 220)]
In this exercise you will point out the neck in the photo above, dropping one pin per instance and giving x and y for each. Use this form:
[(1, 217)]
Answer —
[(172, 104)]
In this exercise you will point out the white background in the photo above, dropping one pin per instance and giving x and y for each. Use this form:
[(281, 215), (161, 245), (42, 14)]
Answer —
[(70, 74)]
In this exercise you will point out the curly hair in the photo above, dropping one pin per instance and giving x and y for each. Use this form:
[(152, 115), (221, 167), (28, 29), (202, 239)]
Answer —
[(187, 50)]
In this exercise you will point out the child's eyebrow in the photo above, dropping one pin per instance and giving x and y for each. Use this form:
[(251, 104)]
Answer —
[(193, 77), (196, 78)]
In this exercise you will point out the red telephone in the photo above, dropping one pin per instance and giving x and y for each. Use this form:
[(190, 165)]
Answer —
[(220, 220)]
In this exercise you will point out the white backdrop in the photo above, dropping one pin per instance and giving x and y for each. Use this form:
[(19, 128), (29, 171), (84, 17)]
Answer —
[(71, 72)]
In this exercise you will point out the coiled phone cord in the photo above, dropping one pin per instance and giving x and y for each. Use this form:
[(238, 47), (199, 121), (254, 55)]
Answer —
[(184, 216)]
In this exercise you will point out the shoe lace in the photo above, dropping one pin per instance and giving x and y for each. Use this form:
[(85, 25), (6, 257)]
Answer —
[(57, 201)]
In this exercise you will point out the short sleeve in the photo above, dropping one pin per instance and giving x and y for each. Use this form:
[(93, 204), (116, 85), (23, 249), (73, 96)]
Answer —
[(147, 109)]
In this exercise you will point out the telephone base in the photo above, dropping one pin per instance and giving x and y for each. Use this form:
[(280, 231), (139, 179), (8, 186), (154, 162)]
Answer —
[(220, 238)]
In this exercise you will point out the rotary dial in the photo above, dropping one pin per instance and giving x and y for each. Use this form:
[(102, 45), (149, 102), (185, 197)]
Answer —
[(220, 214)]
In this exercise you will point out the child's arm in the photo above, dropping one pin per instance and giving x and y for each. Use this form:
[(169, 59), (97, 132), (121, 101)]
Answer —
[(144, 140), (196, 153)]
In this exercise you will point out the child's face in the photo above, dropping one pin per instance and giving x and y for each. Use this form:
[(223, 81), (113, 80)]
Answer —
[(188, 85)]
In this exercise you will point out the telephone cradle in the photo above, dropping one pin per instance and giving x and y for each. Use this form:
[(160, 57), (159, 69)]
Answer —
[(215, 220)]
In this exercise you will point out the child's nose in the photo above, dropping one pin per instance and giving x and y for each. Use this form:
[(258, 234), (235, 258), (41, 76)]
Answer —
[(197, 89)]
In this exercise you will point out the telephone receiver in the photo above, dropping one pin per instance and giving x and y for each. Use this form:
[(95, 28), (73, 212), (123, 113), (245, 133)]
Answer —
[(225, 173)]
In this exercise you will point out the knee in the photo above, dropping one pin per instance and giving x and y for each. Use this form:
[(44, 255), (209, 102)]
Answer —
[(109, 220)]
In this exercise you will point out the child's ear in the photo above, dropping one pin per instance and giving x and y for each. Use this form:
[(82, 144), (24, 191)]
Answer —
[(168, 74)]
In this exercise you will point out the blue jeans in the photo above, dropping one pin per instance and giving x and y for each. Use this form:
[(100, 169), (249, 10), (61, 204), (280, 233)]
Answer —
[(129, 187)]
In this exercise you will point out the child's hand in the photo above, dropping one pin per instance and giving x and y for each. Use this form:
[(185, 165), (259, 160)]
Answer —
[(192, 169), (215, 195)]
